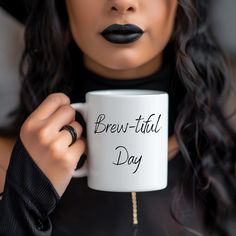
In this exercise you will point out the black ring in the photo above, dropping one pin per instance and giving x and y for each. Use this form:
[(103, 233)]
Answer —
[(72, 132)]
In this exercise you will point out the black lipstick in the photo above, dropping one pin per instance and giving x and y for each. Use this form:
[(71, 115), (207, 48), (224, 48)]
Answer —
[(122, 34)]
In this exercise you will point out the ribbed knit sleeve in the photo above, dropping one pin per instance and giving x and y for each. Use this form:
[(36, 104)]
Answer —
[(28, 198)]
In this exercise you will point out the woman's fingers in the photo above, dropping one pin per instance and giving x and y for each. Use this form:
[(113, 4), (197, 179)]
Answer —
[(66, 137), (76, 151), (50, 105), (61, 117)]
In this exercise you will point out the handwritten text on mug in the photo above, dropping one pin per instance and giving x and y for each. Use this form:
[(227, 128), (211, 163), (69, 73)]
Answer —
[(125, 158), (141, 125)]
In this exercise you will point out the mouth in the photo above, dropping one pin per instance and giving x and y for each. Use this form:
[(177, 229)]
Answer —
[(122, 34)]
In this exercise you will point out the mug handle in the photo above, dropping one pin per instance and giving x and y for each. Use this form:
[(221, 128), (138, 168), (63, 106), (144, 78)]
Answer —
[(82, 109)]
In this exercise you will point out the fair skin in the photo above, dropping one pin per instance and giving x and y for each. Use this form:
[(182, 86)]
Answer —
[(40, 133)]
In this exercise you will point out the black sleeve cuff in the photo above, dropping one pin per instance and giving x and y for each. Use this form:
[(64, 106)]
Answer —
[(30, 183)]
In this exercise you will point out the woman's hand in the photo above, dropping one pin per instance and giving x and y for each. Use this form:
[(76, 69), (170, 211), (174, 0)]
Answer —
[(48, 146)]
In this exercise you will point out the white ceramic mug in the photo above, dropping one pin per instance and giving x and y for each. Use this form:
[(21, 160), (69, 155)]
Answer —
[(127, 136)]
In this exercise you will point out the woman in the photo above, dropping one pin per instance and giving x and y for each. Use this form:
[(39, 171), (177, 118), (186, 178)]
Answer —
[(68, 51)]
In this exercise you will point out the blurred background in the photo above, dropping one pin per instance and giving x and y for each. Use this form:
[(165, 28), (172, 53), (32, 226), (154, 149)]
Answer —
[(13, 15), (223, 20)]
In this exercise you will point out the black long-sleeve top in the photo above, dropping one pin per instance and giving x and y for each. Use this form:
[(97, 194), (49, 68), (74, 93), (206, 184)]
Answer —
[(29, 197), (31, 206)]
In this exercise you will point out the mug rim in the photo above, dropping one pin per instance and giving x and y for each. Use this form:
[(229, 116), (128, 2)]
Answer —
[(126, 92)]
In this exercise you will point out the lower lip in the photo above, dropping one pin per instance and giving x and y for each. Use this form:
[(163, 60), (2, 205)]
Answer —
[(122, 38)]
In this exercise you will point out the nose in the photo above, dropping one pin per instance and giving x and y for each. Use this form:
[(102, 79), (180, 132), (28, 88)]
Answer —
[(123, 6)]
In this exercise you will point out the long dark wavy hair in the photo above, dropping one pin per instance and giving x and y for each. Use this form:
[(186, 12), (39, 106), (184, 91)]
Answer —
[(206, 140)]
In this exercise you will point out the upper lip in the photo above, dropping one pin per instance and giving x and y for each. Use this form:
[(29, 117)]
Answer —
[(122, 29)]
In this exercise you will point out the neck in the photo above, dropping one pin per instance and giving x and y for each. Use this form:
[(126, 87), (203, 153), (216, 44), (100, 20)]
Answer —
[(122, 74)]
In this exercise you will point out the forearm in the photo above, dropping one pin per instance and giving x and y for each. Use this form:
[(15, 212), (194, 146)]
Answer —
[(28, 198)]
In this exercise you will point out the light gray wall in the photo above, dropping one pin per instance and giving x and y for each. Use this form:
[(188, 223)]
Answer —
[(223, 17), (11, 46)]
